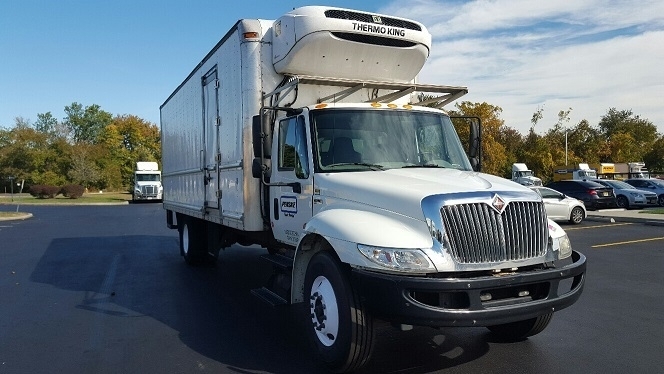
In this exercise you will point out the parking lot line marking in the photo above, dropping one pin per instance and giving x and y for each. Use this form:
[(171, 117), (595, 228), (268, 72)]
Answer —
[(627, 242), (596, 226)]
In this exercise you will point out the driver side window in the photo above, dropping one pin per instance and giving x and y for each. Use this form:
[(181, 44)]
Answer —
[(293, 147)]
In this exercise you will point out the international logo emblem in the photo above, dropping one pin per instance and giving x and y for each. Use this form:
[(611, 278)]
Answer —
[(498, 204)]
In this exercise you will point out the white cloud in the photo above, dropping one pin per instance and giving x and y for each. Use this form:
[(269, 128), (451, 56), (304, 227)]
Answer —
[(588, 55)]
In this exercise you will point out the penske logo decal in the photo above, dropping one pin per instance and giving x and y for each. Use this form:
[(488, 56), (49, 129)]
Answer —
[(289, 205)]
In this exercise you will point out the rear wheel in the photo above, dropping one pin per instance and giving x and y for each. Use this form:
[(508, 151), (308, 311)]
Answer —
[(340, 328), (520, 330), (577, 215), (193, 241), (622, 202)]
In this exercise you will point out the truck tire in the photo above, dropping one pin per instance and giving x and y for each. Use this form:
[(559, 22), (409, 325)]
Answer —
[(576, 216), (193, 238), (340, 328), (520, 330)]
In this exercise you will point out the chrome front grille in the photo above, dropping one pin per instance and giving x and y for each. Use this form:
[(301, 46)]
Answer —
[(479, 234), (149, 190)]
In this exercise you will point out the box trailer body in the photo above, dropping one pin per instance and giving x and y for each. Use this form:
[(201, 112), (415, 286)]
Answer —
[(147, 181), (576, 172), (309, 136)]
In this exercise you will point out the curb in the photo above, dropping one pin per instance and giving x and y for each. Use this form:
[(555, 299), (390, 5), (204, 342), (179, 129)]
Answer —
[(19, 217), (645, 221)]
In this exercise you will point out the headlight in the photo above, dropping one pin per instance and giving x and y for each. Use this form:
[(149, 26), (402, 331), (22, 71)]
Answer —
[(397, 258), (637, 195), (564, 247)]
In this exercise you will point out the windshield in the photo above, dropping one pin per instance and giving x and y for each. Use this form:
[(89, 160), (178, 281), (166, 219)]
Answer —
[(657, 183), (587, 173), (620, 185), (527, 173), (148, 177), (371, 139)]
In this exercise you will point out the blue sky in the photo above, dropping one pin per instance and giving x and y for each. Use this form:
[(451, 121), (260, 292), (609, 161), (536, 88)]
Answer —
[(128, 56)]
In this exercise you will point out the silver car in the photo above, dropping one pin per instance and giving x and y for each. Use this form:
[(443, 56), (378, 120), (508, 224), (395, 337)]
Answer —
[(560, 207), (651, 185), (628, 196)]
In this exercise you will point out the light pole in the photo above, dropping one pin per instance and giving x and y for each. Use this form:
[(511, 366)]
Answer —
[(565, 147), (11, 181)]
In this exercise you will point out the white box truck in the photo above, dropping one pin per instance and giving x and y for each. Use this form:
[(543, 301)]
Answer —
[(147, 181), (305, 135)]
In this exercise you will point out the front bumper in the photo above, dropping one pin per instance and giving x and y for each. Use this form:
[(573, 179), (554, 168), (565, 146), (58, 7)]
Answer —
[(440, 302)]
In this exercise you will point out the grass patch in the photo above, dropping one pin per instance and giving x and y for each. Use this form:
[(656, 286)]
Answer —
[(653, 211), (87, 198)]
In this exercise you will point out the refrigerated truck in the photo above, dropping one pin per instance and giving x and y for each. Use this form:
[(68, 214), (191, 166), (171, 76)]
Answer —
[(305, 135)]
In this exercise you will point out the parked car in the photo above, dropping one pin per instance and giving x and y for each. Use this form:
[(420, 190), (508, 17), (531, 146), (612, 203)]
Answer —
[(560, 207), (593, 195), (628, 196), (651, 185)]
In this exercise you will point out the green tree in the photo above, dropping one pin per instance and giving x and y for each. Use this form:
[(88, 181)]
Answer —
[(126, 140), (86, 124), (84, 169), (494, 157), (654, 158), (46, 124), (629, 135)]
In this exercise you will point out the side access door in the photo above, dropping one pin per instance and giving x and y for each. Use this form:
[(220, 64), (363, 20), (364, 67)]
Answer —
[(211, 153), (291, 203)]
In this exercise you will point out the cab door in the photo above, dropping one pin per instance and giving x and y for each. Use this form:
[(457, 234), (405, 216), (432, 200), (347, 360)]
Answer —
[(291, 206)]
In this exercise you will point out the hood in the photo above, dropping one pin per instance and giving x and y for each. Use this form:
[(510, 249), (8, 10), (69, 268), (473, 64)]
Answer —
[(402, 190)]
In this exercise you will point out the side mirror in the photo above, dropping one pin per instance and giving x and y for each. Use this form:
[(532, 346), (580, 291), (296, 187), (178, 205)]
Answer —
[(258, 139), (475, 144)]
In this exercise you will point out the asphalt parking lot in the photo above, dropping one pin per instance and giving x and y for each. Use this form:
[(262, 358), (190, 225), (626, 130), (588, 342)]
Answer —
[(104, 290)]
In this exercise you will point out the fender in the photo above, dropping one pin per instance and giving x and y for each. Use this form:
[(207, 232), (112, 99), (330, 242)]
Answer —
[(344, 228), (381, 229)]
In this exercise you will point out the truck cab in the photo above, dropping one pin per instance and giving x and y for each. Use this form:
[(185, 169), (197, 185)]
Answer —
[(524, 176), (147, 182)]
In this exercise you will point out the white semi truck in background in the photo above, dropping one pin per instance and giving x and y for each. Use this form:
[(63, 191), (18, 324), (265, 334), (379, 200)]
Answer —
[(147, 181), (524, 176), (305, 136)]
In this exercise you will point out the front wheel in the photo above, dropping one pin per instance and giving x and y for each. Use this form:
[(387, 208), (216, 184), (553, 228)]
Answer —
[(660, 200), (340, 328), (577, 215), (516, 331)]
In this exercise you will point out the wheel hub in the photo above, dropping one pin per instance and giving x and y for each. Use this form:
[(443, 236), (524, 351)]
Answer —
[(324, 311)]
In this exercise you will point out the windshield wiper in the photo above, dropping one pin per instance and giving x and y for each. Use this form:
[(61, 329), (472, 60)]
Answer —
[(371, 166), (423, 166)]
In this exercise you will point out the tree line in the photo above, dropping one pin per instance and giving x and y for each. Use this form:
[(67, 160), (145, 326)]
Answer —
[(93, 148), (89, 147), (620, 137)]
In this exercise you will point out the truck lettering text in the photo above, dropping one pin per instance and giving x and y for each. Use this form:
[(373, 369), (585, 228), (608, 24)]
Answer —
[(378, 29)]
